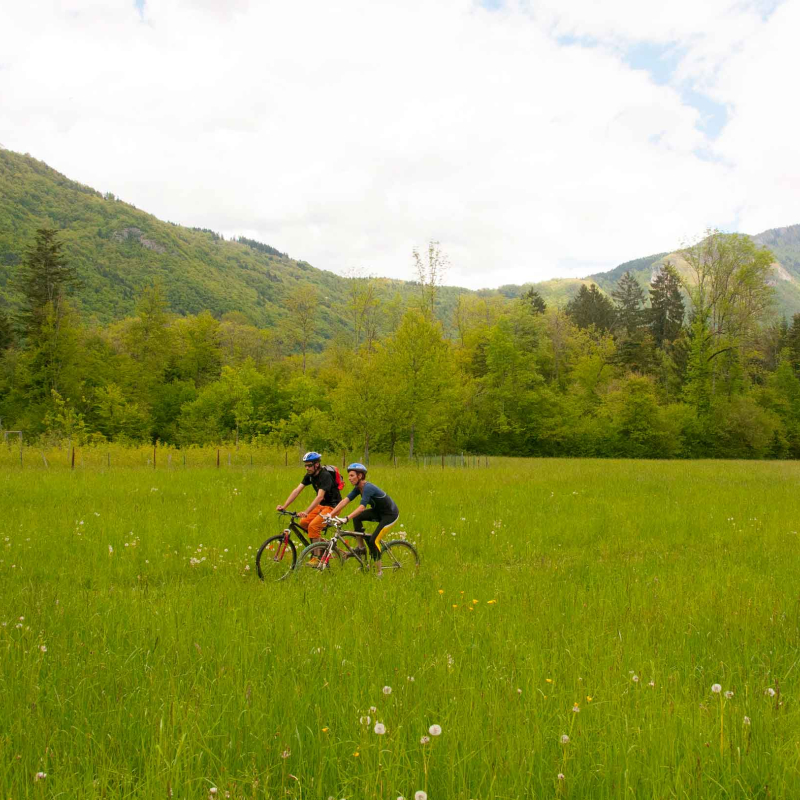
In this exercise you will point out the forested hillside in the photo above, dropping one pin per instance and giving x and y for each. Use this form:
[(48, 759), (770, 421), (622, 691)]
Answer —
[(117, 327), (118, 250)]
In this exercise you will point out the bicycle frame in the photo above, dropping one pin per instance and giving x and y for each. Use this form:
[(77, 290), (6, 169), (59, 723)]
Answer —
[(287, 532)]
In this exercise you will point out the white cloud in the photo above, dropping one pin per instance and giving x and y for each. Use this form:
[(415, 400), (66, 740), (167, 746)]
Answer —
[(347, 133)]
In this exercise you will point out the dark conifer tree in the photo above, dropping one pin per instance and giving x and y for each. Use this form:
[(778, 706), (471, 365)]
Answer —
[(6, 335), (793, 343), (629, 297), (534, 301), (591, 307), (667, 310), (43, 279)]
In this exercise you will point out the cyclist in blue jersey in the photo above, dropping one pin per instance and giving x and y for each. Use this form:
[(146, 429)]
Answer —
[(375, 506)]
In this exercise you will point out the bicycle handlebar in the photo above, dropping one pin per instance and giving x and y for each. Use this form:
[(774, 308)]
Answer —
[(286, 513)]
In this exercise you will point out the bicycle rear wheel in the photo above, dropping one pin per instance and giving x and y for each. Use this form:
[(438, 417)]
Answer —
[(276, 558), (316, 560), (400, 560)]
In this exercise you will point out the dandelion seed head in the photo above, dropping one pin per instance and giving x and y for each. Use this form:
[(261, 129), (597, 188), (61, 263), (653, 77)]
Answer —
[(365, 720), (728, 695), (424, 740), (387, 689), (380, 728), (746, 721), (420, 796), (39, 776), (635, 679), (769, 691), (435, 730), (561, 776), (716, 688), (564, 738)]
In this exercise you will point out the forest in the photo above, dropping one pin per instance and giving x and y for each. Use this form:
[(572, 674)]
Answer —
[(699, 366)]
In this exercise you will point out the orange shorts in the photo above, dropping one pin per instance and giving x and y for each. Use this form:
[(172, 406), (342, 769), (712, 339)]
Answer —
[(313, 522)]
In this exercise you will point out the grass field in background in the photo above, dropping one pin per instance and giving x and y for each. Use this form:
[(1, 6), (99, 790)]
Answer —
[(594, 600)]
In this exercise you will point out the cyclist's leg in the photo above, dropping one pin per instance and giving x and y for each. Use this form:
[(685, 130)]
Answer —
[(385, 524), (316, 523), (365, 516), (358, 525)]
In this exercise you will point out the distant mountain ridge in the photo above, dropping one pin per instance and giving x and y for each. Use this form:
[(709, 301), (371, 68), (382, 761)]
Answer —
[(118, 250)]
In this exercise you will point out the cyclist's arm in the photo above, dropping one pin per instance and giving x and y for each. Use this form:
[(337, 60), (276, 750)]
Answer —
[(291, 498), (317, 500), (360, 510), (345, 501)]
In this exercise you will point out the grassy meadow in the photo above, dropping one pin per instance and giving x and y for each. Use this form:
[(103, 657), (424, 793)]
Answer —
[(565, 631)]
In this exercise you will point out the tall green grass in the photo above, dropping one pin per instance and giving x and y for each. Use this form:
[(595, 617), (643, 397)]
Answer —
[(596, 600)]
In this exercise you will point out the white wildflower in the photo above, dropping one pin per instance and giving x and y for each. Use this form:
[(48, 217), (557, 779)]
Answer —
[(420, 795), (746, 721), (769, 691), (728, 695), (564, 738), (380, 728), (425, 740), (387, 689), (435, 730), (716, 688)]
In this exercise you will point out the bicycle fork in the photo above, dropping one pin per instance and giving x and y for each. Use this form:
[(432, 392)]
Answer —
[(284, 544)]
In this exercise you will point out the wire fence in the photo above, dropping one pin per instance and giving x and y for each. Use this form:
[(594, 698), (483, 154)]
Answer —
[(16, 454)]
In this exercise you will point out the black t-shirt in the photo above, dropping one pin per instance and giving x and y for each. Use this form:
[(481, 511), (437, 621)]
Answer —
[(324, 480)]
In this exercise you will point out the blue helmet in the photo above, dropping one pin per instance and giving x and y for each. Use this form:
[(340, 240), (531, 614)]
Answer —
[(311, 457), (357, 467)]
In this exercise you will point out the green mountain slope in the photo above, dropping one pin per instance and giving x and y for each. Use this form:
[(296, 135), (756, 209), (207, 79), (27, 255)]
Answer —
[(119, 249)]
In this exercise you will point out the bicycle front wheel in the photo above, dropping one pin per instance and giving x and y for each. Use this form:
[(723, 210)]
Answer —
[(276, 558), (318, 559), (399, 559)]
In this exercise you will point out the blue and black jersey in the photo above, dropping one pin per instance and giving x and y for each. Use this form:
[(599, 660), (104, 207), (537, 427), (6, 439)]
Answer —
[(376, 499)]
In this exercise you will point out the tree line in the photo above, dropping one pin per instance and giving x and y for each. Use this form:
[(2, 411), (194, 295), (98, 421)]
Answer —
[(696, 366)]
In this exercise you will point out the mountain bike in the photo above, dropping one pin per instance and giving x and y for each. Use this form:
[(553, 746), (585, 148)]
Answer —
[(277, 557), (339, 555)]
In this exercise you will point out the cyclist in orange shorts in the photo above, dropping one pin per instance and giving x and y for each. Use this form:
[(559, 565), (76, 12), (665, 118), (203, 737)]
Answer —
[(328, 495)]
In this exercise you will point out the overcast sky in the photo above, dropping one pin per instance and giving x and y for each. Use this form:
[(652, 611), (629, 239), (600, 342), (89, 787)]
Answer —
[(549, 138)]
